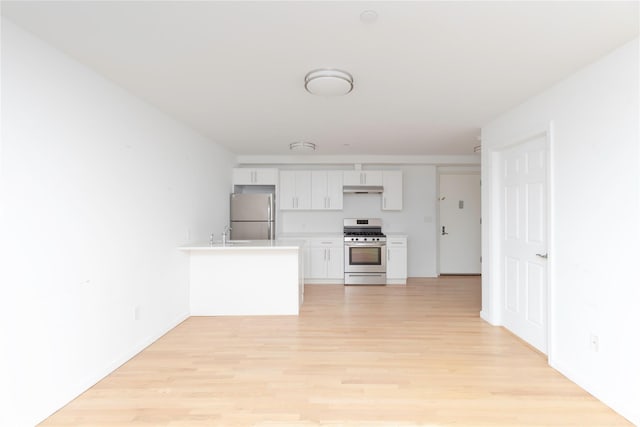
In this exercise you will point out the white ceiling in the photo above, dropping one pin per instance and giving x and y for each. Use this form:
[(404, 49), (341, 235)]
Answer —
[(427, 74)]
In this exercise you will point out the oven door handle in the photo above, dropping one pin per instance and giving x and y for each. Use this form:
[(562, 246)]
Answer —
[(360, 245)]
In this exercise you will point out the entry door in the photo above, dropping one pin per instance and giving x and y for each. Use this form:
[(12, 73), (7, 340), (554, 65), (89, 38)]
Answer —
[(523, 202), (459, 230)]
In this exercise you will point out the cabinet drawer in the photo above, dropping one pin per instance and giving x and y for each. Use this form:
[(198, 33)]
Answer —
[(396, 241), (327, 242)]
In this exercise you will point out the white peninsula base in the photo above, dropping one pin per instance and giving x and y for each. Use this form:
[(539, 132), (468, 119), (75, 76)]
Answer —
[(254, 278)]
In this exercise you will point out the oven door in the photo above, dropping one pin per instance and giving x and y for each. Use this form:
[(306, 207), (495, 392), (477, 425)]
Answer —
[(365, 257)]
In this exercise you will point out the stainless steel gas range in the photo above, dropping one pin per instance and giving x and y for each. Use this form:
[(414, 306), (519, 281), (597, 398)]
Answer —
[(365, 252)]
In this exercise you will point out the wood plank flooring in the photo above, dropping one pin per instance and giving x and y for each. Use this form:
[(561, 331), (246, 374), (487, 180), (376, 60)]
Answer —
[(356, 356)]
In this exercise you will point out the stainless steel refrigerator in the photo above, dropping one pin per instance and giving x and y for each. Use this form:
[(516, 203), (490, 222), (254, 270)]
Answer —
[(253, 216)]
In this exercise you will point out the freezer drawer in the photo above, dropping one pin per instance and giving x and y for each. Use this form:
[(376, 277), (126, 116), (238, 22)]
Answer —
[(252, 230)]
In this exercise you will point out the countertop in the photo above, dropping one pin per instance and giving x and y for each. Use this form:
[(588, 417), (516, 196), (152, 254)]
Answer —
[(311, 235), (278, 244)]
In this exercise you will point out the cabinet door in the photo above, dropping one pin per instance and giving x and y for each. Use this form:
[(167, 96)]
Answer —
[(372, 177), (334, 190), (397, 258), (265, 176), (362, 178), (352, 177), (242, 176), (318, 190), (255, 176), (303, 189), (335, 263), (287, 190), (326, 190), (295, 190), (317, 263), (392, 195)]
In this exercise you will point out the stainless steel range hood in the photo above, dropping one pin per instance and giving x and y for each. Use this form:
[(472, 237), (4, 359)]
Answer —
[(362, 189)]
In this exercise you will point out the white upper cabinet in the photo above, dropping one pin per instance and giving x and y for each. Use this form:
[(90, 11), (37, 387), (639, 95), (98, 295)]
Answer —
[(392, 193), (362, 177), (255, 176), (326, 190), (295, 190)]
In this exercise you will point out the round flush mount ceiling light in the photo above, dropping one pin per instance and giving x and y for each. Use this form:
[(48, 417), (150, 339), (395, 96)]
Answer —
[(368, 16), (302, 146), (328, 82)]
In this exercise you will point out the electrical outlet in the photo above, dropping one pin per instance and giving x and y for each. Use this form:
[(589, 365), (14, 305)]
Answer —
[(594, 343)]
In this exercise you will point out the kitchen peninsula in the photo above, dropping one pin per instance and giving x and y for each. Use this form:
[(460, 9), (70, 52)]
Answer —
[(249, 277)]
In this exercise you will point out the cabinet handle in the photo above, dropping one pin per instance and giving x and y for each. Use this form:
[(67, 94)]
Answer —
[(328, 255)]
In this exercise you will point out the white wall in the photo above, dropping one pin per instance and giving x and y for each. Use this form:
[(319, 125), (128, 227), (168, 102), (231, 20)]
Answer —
[(98, 190), (595, 223), (417, 218)]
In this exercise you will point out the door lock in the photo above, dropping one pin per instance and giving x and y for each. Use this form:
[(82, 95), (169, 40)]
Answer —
[(444, 231)]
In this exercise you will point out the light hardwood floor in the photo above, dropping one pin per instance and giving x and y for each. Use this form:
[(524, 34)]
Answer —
[(356, 356)]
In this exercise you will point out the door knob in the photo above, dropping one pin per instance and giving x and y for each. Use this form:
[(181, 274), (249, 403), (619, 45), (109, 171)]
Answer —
[(443, 231), (545, 256)]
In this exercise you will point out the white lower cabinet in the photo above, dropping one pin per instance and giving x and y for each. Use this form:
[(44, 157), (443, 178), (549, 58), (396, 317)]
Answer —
[(397, 260), (325, 260)]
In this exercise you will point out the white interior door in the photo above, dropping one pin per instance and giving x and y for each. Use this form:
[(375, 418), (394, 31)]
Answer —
[(460, 247), (523, 252)]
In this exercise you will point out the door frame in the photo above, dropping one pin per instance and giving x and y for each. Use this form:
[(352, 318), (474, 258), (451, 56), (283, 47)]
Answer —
[(492, 268)]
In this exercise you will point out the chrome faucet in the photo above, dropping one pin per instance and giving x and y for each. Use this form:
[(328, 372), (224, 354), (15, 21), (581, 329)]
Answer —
[(225, 233)]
